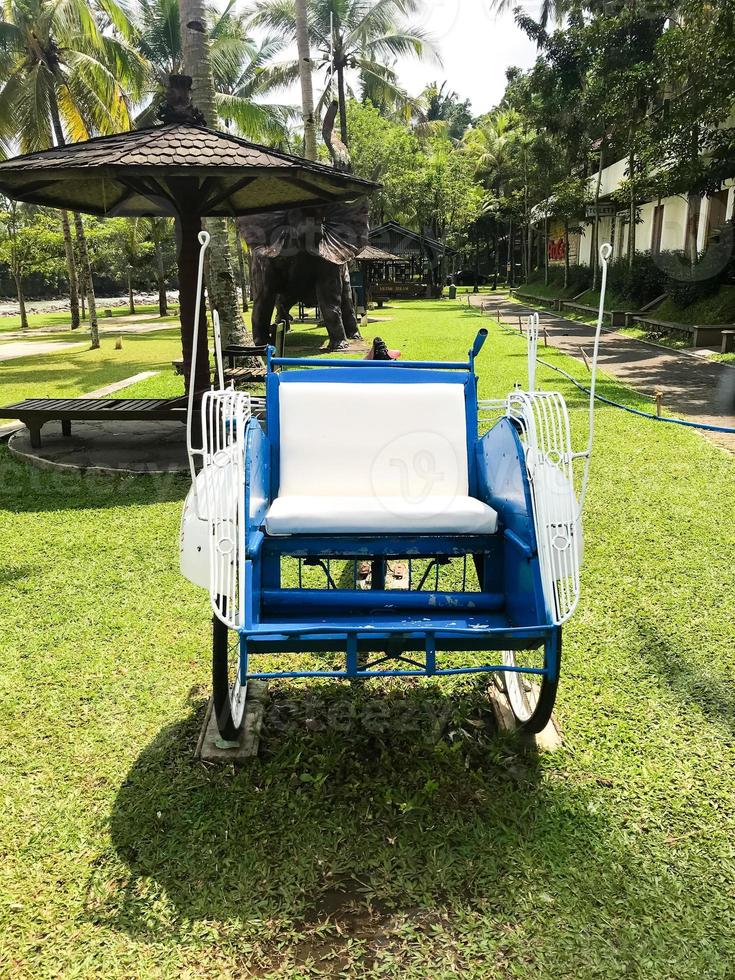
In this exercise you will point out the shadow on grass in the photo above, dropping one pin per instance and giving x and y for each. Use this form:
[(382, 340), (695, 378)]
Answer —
[(28, 489), (702, 685), (365, 804)]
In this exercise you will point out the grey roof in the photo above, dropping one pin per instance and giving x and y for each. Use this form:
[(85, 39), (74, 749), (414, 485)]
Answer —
[(369, 253), (404, 241), (144, 171)]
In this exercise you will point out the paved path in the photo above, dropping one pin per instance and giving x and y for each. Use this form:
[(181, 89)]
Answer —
[(692, 387), (22, 348), (139, 323)]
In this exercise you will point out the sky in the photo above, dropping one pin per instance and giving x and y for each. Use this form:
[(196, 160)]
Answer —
[(476, 47)]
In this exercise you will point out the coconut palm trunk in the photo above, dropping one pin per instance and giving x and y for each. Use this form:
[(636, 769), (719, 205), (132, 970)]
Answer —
[(71, 268), (94, 334), (79, 231), (21, 300), (197, 63), (342, 102), (161, 283), (307, 89), (241, 266)]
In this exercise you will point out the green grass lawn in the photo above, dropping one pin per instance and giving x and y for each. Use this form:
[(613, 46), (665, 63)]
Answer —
[(613, 300), (552, 291), (62, 318), (75, 371), (383, 831)]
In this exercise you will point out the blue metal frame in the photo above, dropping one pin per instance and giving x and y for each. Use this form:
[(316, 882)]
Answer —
[(508, 611)]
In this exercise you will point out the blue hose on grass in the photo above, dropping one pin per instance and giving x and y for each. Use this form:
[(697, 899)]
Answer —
[(635, 411)]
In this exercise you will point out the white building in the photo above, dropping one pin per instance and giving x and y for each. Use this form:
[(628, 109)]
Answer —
[(662, 224)]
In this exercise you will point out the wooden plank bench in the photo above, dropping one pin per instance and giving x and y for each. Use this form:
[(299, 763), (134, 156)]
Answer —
[(34, 413), (701, 335)]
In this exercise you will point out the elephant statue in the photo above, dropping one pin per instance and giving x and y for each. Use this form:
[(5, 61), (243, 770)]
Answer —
[(302, 256)]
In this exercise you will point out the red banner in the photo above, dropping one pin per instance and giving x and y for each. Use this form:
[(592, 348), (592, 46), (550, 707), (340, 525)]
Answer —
[(557, 249)]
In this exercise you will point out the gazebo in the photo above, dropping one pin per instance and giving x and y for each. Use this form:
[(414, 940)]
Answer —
[(179, 169), (414, 254), (372, 265)]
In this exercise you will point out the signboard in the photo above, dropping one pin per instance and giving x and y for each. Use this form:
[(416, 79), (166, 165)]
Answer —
[(603, 210)]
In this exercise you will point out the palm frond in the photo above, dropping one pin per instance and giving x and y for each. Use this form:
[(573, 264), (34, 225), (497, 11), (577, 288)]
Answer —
[(399, 44), (258, 122)]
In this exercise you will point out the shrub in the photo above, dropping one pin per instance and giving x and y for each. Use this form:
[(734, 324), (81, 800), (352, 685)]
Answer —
[(639, 283), (580, 277), (686, 284)]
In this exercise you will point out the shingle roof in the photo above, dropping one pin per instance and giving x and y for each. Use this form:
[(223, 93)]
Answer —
[(139, 173), (372, 254), (406, 242)]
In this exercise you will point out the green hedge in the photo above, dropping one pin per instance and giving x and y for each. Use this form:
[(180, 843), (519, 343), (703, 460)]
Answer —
[(650, 276)]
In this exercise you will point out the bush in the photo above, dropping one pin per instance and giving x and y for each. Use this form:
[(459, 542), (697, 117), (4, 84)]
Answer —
[(639, 283), (580, 278), (686, 285)]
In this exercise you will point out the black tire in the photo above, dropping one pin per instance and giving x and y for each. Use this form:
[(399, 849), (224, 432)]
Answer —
[(543, 700), (228, 696)]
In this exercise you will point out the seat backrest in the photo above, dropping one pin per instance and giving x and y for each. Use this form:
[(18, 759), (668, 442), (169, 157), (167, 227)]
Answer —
[(405, 440)]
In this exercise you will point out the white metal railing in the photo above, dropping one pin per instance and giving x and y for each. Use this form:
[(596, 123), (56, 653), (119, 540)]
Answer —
[(545, 433), (224, 418), (543, 422), (219, 488)]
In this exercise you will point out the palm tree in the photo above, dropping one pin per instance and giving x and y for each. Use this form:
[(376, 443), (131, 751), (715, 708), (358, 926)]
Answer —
[(69, 71), (238, 65), (229, 76), (197, 61), (348, 34), (303, 49), (551, 10), (160, 232), (491, 144)]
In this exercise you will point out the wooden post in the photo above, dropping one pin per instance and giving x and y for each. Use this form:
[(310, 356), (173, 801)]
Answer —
[(659, 396), (546, 338)]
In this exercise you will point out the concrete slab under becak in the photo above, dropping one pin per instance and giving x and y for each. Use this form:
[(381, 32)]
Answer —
[(547, 740), (113, 447), (211, 748)]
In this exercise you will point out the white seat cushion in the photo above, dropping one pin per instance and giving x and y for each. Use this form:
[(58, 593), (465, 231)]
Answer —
[(372, 439), (377, 515)]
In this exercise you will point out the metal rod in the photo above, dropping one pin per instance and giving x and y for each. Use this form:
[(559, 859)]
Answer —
[(438, 671), (336, 362)]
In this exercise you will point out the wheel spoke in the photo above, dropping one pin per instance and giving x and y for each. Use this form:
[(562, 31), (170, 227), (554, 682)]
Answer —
[(523, 690)]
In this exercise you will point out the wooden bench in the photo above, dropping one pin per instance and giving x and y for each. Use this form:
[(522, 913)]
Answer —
[(701, 335), (728, 342), (34, 413)]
